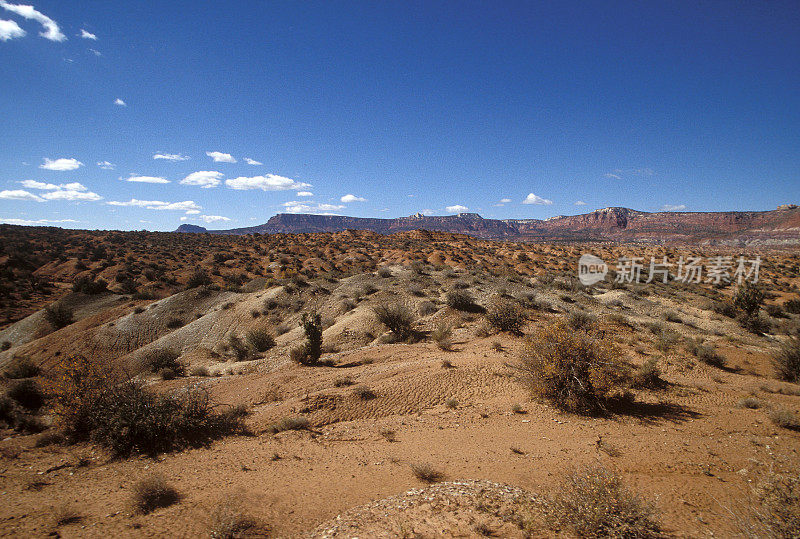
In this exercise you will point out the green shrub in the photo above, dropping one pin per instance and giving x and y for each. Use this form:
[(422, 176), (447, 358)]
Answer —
[(397, 317), (505, 315), (311, 350), (198, 278), (260, 339), (755, 324), (787, 361), (58, 315)]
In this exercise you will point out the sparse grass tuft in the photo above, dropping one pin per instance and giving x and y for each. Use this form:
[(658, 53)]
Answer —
[(427, 473), (750, 402), (290, 423), (705, 353), (784, 418), (343, 381), (229, 521), (442, 336), (364, 393), (648, 375), (580, 320), (153, 492), (451, 403)]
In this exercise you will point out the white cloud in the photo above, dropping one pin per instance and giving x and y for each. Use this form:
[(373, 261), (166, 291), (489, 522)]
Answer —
[(502, 202), (71, 195), (252, 161), (95, 52), (673, 207), (186, 205), (51, 29), (204, 178), (456, 208), (29, 222), (614, 176), (352, 198), (33, 184), (171, 157), (301, 207), (119, 102), (270, 182), (426, 212), (580, 203), (618, 173), (145, 179), (209, 218), (88, 35), (534, 199), (220, 157), (192, 212), (19, 194), (105, 165), (61, 164), (10, 30), (305, 194)]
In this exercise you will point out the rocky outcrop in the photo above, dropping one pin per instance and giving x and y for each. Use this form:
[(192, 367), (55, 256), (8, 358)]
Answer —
[(776, 227)]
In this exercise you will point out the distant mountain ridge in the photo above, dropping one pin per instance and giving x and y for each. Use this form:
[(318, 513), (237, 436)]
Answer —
[(775, 227)]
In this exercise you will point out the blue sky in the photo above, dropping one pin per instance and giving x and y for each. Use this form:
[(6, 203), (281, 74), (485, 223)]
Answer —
[(132, 115)]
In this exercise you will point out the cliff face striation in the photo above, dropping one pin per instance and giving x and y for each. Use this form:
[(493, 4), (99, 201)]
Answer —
[(776, 227)]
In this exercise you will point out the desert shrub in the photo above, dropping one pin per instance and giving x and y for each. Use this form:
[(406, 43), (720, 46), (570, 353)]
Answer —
[(200, 371), (792, 306), (27, 394), (775, 311), (153, 492), (58, 315), (397, 317), (238, 347), (65, 514), (648, 375), (198, 278), (163, 358), (779, 500), (5, 346), (343, 381), (665, 339), (724, 308), (784, 418), (290, 423), (85, 285), (364, 393), (672, 316), (748, 298), (505, 315), (125, 417), (580, 320), (426, 472), (228, 521), (167, 374), (755, 324), (705, 353), (461, 300), (451, 403), (310, 352), (573, 369), (517, 408), (594, 502), (260, 339), (442, 336), (427, 308), (22, 368), (750, 402), (384, 272), (175, 323), (787, 361)]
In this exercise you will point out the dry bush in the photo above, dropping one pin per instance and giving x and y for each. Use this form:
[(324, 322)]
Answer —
[(22, 368), (461, 300), (593, 502), (59, 315), (784, 418), (125, 417), (229, 521), (163, 358), (647, 376), (397, 317), (427, 473), (289, 423), (779, 497), (792, 306), (705, 353), (505, 315), (580, 320), (787, 361), (750, 402), (260, 339), (574, 370), (748, 298), (65, 514), (343, 381), (27, 394), (442, 336), (364, 393), (153, 492)]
